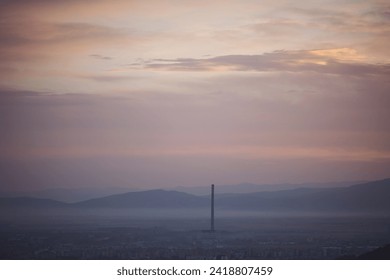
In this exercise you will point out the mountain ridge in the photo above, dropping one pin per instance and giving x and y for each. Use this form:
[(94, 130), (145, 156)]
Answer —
[(73, 195), (365, 197)]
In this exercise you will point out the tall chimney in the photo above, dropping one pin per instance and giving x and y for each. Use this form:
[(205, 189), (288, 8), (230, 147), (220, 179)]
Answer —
[(212, 208)]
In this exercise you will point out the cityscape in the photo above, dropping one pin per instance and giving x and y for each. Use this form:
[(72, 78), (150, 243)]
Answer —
[(109, 228), (238, 238)]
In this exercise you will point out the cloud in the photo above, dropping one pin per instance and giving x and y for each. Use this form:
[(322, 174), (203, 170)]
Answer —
[(127, 137), (363, 26), (334, 61), (30, 33), (36, 40), (283, 84), (368, 17), (102, 57), (353, 121)]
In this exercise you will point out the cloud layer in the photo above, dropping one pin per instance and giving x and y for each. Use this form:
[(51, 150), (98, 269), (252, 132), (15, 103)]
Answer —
[(163, 93), (330, 61)]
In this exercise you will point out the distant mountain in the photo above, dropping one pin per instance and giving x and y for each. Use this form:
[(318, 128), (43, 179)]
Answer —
[(252, 188), (147, 199), (70, 194), (367, 197), (370, 197), (29, 202)]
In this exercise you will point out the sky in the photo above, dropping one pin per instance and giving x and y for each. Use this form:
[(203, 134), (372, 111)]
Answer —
[(162, 93)]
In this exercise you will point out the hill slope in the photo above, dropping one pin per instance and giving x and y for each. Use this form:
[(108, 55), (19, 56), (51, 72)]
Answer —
[(370, 197), (29, 202), (147, 199), (367, 197)]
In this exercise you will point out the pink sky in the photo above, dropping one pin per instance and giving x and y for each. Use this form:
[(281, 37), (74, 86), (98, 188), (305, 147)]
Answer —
[(165, 93)]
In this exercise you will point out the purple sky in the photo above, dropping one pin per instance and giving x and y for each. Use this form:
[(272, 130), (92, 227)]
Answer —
[(164, 93)]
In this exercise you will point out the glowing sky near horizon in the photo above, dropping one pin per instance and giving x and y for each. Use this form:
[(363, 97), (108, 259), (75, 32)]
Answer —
[(161, 93)]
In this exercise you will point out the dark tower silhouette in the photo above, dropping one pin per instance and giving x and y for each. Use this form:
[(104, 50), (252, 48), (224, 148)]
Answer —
[(212, 208)]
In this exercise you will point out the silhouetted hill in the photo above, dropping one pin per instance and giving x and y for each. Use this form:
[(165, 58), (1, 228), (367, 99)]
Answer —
[(72, 195), (370, 197), (253, 188), (29, 202), (382, 253), (147, 199), (69, 195), (367, 197)]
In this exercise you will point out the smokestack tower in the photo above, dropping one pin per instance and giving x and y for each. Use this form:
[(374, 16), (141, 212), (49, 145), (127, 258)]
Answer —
[(212, 208)]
